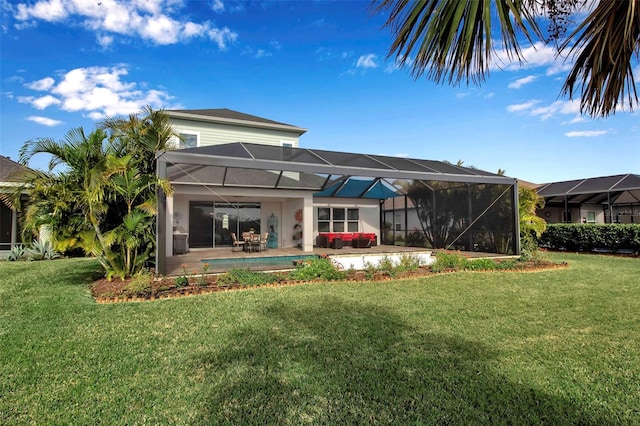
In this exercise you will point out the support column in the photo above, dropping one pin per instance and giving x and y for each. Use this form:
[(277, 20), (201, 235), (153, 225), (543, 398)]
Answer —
[(516, 219), (307, 223), (14, 228), (161, 221)]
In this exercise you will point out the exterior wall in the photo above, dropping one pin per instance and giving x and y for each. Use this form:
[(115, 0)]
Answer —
[(627, 214), (369, 212), (281, 203), (555, 214), (216, 134), (587, 211)]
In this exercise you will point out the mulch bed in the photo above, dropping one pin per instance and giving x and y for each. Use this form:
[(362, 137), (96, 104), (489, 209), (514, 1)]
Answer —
[(117, 291)]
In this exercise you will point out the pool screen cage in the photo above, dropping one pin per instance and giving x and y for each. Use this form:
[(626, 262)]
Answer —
[(457, 207), (459, 216)]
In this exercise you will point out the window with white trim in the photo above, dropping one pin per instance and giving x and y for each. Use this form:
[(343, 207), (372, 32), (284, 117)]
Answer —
[(591, 217), (188, 139), (338, 219)]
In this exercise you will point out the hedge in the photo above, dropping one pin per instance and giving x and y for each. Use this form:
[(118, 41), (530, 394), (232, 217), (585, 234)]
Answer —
[(591, 237)]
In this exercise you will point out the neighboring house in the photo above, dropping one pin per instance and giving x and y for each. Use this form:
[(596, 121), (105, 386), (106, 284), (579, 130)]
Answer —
[(236, 172), (10, 172), (606, 199)]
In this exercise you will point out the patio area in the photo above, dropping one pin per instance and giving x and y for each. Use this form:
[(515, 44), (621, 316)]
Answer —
[(223, 259)]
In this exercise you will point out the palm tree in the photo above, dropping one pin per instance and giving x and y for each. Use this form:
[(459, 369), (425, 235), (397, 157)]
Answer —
[(104, 198), (454, 41)]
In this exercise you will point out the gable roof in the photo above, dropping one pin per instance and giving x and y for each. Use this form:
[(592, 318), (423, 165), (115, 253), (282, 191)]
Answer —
[(10, 170), (228, 116)]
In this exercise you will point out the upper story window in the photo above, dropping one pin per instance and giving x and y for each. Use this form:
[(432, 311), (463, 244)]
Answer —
[(189, 139)]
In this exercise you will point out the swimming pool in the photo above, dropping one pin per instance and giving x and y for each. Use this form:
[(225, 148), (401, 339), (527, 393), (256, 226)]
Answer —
[(272, 262)]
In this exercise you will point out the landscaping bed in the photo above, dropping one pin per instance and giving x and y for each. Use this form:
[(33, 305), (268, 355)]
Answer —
[(321, 270)]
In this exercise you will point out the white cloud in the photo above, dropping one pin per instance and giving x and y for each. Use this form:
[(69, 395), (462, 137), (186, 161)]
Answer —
[(45, 102), (576, 119), (367, 61), (548, 111), (462, 95), (521, 82), (97, 92), (104, 40), (217, 6), (154, 20), (222, 37), (263, 53), (586, 133), (522, 107), (44, 84), (50, 122), (49, 10), (556, 108), (537, 55)]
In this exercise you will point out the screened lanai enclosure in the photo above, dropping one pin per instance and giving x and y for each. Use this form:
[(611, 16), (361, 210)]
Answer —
[(296, 194)]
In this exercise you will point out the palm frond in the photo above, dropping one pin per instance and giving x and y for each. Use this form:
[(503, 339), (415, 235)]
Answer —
[(605, 43), (453, 40)]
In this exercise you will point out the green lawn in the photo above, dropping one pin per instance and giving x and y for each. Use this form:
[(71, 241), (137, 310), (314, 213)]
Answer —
[(553, 347)]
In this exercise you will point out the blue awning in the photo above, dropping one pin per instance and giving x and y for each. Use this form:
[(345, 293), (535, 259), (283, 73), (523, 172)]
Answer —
[(359, 188)]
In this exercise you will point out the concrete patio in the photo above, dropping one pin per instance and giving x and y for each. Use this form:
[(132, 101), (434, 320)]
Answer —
[(224, 259)]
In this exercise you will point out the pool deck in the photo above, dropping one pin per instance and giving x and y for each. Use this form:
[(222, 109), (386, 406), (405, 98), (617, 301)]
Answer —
[(192, 261)]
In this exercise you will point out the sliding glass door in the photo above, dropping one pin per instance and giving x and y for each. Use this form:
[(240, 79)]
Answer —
[(211, 224)]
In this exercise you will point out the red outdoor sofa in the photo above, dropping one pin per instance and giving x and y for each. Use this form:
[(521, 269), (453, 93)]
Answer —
[(341, 239)]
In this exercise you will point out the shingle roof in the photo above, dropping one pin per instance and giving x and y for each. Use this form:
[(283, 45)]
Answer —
[(10, 170), (228, 114)]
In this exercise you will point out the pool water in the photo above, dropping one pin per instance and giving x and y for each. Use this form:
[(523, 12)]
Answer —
[(247, 262)]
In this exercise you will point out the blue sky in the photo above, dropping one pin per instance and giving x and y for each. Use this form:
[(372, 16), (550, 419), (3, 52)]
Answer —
[(320, 65)]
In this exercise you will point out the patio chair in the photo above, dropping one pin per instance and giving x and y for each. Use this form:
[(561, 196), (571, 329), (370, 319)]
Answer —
[(237, 243), (263, 241), (253, 242)]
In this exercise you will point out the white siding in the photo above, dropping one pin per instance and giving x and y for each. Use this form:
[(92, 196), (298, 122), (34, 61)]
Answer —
[(216, 134)]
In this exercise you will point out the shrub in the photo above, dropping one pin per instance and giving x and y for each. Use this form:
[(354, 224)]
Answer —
[(507, 264), (182, 281), (416, 239), (449, 260), (41, 250), (408, 262), (245, 277), (590, 237), (481, 264), (386, 265), (16, 253), (140, 285), (315, 268)]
